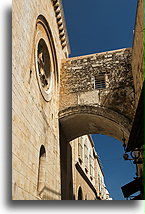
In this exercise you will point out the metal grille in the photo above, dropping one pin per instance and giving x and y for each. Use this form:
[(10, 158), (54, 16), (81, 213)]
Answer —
[(100, 82)]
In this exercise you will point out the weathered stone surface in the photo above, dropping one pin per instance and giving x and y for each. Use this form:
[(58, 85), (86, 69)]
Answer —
[(84, 119), (77, 81), (75, 106), (35, 121), (78, 95), (138, 51)]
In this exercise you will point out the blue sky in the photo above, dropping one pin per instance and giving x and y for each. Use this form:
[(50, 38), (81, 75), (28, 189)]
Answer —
[(95, 26), (99, 25), (117, 171)]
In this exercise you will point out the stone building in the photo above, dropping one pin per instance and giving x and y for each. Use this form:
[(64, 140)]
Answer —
[(136, 139), (50, 105), (87, 175), (39, 45)]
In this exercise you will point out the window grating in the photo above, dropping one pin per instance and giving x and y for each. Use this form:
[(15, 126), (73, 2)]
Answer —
[(100, 82)]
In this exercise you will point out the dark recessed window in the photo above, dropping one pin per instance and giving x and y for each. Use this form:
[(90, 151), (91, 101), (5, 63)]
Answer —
[(100, 82), (80, 194), (41, 171), (80, 152), (44, 64)]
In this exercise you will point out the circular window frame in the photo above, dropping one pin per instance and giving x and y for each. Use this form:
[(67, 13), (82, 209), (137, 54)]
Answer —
[(43, 34)]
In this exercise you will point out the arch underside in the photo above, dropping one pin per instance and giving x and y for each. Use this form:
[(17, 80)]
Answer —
[(84, 119)]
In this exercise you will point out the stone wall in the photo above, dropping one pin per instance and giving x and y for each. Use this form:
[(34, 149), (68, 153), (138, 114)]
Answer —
[(85, 109), (138, 51), (35, 120), (78, 79), (77, 177), (88, 194)]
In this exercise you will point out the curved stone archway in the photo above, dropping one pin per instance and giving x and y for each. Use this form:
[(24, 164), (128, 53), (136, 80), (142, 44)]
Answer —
[(80, 120), (97, 95), (84, 119)]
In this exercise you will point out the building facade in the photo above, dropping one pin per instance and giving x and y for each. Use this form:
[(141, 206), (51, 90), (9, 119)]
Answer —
[(136, 139), (49, 109), (87, 174), (38, 48)]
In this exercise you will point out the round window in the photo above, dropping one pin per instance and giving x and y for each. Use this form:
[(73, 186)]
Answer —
[(45, 59), (44, 65)]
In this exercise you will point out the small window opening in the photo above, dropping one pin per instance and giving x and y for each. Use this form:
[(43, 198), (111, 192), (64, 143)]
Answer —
[(100, 82), (80, 194), (86, 157), (41, 171), (80, 152)]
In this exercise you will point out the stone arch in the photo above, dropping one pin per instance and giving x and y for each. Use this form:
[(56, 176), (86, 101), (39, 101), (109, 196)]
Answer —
[(86, 119), (80, 120), (86, 109)]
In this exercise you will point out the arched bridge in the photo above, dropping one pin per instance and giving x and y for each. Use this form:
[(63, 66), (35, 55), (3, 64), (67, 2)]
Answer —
[(97, 95)]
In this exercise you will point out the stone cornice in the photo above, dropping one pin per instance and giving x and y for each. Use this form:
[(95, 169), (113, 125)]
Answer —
[(58, 8)]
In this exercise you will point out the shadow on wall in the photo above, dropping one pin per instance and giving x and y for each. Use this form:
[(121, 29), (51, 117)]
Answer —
[(66, 169)]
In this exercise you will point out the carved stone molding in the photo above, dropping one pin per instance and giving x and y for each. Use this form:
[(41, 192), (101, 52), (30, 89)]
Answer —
[(45, 59), (61, 23)]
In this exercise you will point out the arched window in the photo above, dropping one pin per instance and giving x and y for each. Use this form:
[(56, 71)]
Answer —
[(41, 170), (80, 194)]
